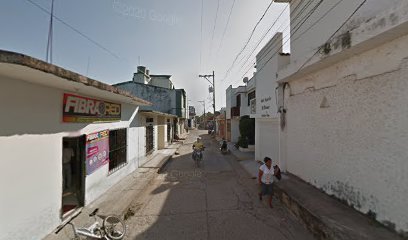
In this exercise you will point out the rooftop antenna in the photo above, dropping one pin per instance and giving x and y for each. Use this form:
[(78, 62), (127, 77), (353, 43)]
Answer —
[(48, 57)]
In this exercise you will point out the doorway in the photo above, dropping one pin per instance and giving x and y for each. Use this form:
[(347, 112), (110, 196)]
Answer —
[(149, 139), (73, 174)]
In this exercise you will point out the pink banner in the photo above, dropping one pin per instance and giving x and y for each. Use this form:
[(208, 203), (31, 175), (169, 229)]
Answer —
[(97, 151)]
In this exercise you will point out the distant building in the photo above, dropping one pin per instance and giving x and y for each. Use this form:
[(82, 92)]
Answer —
[(191, 119), (159, 90), (239, 102)]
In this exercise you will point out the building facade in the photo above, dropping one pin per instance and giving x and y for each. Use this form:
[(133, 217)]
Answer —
[(344, 93), (159, 90), (66, 140), (240, 102)]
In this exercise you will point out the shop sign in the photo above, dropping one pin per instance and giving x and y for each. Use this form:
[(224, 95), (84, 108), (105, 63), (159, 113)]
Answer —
[(86, 110), (97, 151)]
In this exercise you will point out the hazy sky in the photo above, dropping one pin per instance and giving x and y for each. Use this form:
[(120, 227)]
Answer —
[(165, 36)]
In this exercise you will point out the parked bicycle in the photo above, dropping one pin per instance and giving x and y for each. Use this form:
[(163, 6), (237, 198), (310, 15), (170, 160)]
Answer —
[(112, 228)]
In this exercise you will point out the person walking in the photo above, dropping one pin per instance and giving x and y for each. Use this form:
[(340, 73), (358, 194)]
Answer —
[(265, 179)]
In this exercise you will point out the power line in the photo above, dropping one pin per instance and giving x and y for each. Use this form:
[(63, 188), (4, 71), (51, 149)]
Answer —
[(263, 37), (307, 61), (201, 34), (226, 26), (288, 25), (296, 27), (215, 24), (330, 38), (48, 56), (76, 30), (249, 39)]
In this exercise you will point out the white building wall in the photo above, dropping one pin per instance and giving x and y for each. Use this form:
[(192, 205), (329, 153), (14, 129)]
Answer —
[(31, 147), (267, 139), (308, 34), (228, 97), (347, 131), (235, 130)]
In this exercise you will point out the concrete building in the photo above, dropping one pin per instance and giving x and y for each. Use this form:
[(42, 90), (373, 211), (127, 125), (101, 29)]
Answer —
[(264, 108), (238, 104), (345, 93), (65, 140), (191, 124), (159, 90)]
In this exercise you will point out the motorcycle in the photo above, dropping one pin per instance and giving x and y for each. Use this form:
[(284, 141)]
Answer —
[(224, 147), (198, 156)]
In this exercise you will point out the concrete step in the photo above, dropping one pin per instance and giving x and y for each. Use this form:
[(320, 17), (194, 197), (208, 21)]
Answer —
[(327, 217)]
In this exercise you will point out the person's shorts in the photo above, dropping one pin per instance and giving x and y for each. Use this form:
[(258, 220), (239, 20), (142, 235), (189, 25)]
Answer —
[(266, 189)]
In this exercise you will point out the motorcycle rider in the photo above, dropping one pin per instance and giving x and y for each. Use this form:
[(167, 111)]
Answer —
[(224, 146), (197, 146)]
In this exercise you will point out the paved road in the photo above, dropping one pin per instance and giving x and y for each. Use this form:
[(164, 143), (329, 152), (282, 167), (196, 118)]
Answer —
[(216, 201)]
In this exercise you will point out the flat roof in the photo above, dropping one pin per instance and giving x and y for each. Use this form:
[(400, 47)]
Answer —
[(22, 67), (158, 113)]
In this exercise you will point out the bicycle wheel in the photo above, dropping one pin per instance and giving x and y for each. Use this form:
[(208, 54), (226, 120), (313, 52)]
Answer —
[(114, 228)]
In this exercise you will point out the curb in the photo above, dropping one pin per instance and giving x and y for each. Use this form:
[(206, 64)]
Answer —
[(164, 164), (311, 222)]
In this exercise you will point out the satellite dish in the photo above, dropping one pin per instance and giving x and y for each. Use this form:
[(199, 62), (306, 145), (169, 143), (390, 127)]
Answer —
[(245, 80)]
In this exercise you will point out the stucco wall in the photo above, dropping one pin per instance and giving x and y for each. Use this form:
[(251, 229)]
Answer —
[(235, 130), (347, 131), (31, 147), (163, 99), (267, 139)]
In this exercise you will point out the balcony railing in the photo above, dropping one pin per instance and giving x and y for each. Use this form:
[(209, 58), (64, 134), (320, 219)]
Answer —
[(235, 112)]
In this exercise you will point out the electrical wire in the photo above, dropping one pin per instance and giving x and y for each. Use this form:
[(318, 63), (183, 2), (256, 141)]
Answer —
[(297, 27), (305, 6), (226, 27), (201, 34), (76, 30), (334, 34), (215, 25), (249, 39)]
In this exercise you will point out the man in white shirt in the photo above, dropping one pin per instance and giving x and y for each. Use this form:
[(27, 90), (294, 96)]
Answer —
[(265, 179)]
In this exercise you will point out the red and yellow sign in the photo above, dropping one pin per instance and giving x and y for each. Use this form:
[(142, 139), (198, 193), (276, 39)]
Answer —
[(86, 110)]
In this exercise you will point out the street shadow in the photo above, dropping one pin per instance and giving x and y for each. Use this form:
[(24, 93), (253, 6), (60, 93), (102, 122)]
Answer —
[(215, 201)]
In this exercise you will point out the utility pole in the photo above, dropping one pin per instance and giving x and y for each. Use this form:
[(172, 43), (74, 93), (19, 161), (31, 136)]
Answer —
[(203, 102), (213, 86)]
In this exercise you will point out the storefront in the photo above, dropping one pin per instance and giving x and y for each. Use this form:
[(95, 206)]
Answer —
[(65, 140)]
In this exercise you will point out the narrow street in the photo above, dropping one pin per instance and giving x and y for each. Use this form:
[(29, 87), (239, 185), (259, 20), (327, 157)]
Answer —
[(217, 201)]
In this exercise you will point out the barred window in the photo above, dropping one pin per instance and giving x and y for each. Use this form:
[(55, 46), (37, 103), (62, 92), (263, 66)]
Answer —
[(117, 149), (251, 96)]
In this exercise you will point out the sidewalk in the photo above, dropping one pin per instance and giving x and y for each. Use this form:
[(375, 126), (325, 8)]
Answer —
[(324, 216), (116, 200)]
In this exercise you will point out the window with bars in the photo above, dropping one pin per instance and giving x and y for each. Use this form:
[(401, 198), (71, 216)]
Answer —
[(117, 149)]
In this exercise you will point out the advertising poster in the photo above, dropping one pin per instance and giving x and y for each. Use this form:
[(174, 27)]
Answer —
[(78, 109), (97, 151)]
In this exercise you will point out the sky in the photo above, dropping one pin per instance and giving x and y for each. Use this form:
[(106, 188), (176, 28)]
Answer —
[(112, 37)]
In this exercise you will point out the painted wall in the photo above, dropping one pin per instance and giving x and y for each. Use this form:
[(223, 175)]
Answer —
[(368, 22), (347, 131), (267, 139), (161, 81), (163, 99), (31, 147), (235, 130)]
